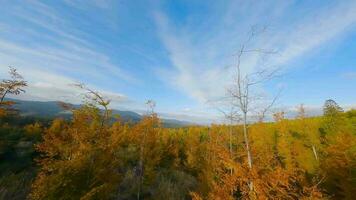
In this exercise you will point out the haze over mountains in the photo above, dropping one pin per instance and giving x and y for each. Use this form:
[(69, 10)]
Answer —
[(52, 109)]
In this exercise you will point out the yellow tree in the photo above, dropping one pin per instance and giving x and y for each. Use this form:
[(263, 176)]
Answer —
[(13, 86), (338, 161), (78, 158)]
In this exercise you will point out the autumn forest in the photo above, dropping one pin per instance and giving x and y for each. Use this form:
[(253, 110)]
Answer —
[(177, 100), (95, 155)]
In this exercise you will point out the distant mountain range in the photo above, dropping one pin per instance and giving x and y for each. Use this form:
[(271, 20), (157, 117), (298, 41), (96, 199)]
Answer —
[(52, 109)]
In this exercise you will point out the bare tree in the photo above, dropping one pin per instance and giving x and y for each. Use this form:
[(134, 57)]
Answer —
[(266, 109), (13, 86), (96, 98), (151, 106), (242, 90), (230, 113)]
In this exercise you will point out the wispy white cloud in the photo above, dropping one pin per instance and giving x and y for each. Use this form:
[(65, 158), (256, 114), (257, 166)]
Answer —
[(70, 45), (315, 30), (199, 54), (51, 53), (191, 117), (103, 4), (349, 75), (52, 87)]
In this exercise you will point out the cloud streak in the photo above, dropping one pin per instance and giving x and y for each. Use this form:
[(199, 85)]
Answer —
[(199, 55), (51, 53), (181, 57)]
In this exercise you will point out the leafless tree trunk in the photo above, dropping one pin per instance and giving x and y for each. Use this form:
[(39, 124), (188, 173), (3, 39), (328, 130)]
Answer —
[(315, 153), (241, 93)]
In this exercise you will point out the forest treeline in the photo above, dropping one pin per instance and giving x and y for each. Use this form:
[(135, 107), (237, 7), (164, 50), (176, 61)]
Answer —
[(90, 157)]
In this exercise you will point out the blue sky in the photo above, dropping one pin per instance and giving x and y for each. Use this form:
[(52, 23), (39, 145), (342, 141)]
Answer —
[(178, 52)]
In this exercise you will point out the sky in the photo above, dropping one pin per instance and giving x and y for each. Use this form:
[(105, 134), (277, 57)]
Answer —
[(180, 53)]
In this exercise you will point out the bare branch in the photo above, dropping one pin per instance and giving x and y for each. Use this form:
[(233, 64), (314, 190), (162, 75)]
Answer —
[(13, 86), (241, 89), (269, 106), (151, 106), (96, 98)]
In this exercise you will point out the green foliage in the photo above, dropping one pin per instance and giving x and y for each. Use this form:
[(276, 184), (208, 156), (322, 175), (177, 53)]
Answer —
[(334, 118)]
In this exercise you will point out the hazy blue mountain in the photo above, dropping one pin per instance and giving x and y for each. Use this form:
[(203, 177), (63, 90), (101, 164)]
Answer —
[(49, 109), (40, 109)]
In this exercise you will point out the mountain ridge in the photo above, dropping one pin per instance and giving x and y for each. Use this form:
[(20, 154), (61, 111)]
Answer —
[(53, 109)]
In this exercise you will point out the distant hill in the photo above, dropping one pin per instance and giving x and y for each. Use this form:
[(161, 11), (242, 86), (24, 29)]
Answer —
[(52, 109)]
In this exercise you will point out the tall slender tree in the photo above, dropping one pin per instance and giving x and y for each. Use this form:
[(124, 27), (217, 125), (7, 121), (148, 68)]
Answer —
[(242, 89)]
